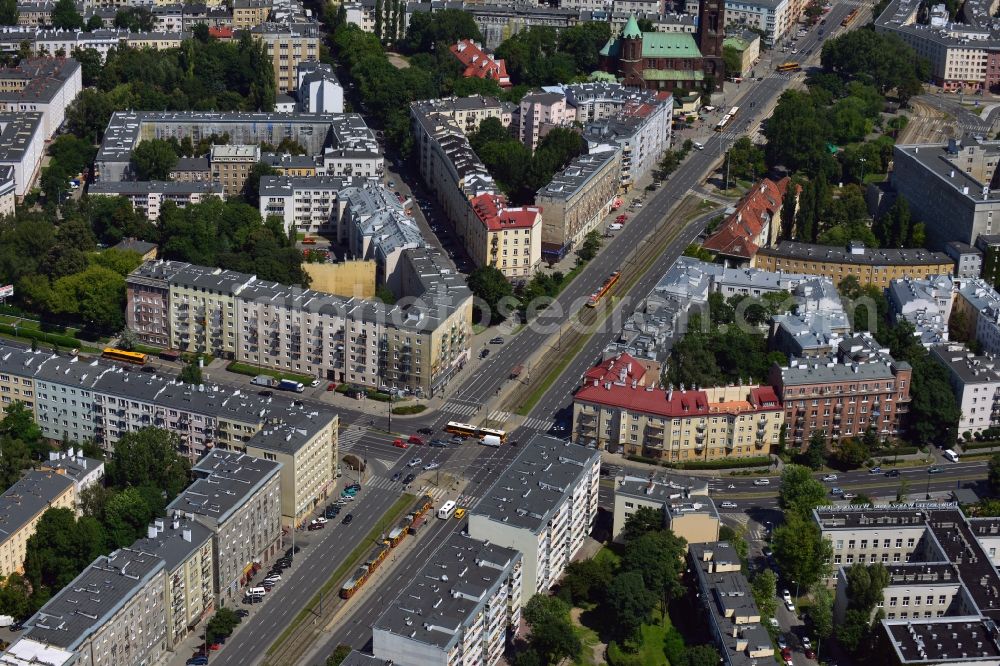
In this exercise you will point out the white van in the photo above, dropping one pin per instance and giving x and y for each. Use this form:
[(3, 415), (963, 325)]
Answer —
[(951, 455), (699, 146), (256, 592), (762, 482), (615, 226)]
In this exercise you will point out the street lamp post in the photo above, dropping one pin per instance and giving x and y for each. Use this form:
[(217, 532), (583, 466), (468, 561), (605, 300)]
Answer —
[(927, 490)]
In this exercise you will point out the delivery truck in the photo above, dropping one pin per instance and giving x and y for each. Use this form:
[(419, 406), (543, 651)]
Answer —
[(291, 385)]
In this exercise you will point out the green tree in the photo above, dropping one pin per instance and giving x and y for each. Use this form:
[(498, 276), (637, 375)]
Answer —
[(586, 580), (251, 187), (644, 520), (126, 516), (489, 285), (65, 16), (428, 31), (703, 655), (96, 295), (733, 60), (865, 584), (658, 558), (590, 246), (630, 601), (136, 19), (800, 493), (853, 631), (8, 12), (765, 591), (994, 473), (153, 159), (555, 640), (745, 160), (541, 607), (59, 549), (814, 457), (800, 549), (851, 453), (821, 612), (191, 373), (148, 457), (339, 655), (15, 597)]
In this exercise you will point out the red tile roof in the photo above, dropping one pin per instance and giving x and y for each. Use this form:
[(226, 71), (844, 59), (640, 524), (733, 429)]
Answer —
[(737, 235), (493, 212), (673, 404), (623, 368), (220, 32), (479, 64)]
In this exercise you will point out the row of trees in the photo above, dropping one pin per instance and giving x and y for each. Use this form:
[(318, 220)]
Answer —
[(541, 55), (144, 474)]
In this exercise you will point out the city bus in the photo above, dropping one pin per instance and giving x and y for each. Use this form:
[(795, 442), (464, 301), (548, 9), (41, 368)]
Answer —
[(596, 297), (461, 429), (124, 356), (726, 119), (789, 67), (850, 17), (446, 510), (500, 435)]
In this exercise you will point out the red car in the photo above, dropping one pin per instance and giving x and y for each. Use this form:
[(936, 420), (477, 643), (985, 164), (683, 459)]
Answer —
[(621, 218), (786, 653), (215, 646), (316, 526), (810, 654), (400, 444), (331, 386), (415, 440)]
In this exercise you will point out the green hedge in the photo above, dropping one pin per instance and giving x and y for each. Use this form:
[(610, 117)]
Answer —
[(724, 463), (898, 451), (972, 446), (409, 409), (253, 371), (33, 334)]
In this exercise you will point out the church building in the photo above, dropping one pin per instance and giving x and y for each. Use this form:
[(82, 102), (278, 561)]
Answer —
[(670, 60)]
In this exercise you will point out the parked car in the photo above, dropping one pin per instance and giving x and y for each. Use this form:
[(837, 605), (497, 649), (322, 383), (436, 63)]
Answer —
[(314, 383), (790, 606), (496, 341), (809, 652), (836, 491), (315, 526), (483, 353), (400, 444), (786, 596), (806, 643), (197, 661), (782, 642)]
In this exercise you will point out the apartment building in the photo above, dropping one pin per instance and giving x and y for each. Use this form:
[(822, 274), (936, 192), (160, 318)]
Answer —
[(286, 164), (979, 303), (577, 198), (231, 166), (975, 381), (383, 236), (148, 197), (728, 606), (288, 45), (35, 14), (100, 401), (185, 546), (747, 44), (641, 132), (307, 204), (148, 309), (319, 91), (950, 188), (353, 149), (22, 506), (687, 510), (491, 231), (45, 85), (774, 18), (871, 267), (860, 388), (81, 470), (459, 609), (22, 145), (543, 506), (617, 413), (191, 170), (539, 112), (417, 346), (968, 259), (113, 612), (925, 303), (317, 133), (251, 13), (238, 498), (755, 223)]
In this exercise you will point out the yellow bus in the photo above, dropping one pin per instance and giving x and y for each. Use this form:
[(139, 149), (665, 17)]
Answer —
[(789, 67), (466, 430), (124, 356)]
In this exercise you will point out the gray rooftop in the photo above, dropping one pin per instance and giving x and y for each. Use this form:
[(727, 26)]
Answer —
[(173, 540), (863, 256), (44, 78), (74, 467), (166, 187), (544, 472), (568, 182), (654, 489), (449, 592), (274, 186), (28, 497), (224, 482), (965, 366), (937, 159), (92, 598), (16, 133)]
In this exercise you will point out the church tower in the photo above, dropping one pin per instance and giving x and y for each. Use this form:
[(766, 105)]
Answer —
[(711, 33), (630, 58)]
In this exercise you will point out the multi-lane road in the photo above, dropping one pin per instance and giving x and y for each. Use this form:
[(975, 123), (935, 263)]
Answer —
[(478, 465)]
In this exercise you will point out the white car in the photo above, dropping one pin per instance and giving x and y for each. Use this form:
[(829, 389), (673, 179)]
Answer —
[(830, 477), (806, 643), (314, 383), (728, 505), (321, 520), (414, 462), (762, 482), (782, 642), (790, 606), (773, 622), (786, 596), (429, 466)]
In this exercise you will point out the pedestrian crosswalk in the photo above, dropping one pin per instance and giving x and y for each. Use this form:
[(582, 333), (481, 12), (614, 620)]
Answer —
[(349, 438), (540, 424), (499, 416), (379, 481), (459, 409), (441, 495)]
